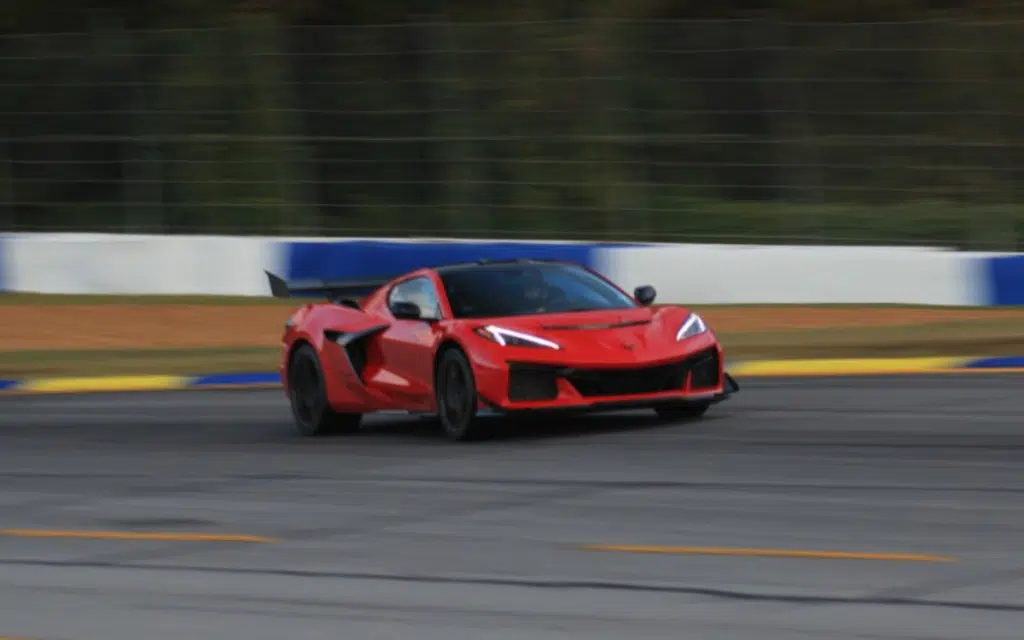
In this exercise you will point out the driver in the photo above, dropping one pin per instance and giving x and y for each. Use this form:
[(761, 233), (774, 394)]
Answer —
[(539, 293), (535, 290)]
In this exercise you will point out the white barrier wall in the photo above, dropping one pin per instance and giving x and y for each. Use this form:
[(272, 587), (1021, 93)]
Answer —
[(732, 274), (687, 274), (133, 264)]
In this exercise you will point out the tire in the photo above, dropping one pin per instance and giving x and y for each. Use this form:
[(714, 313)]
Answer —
[(682, 411), (311, 410), (455, 395)]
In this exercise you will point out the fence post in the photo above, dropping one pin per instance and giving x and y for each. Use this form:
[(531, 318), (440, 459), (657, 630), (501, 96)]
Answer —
[(142, 183), (784, 100), (453, 122), (7, 215)]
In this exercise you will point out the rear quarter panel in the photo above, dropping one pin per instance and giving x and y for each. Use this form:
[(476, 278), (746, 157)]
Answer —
[(309, 324)]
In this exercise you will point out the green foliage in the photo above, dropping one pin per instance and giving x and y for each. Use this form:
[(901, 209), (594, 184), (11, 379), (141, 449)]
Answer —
[(605, 118)]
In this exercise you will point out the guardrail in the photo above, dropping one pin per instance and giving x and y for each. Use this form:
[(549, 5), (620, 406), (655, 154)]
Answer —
[(688, 273)]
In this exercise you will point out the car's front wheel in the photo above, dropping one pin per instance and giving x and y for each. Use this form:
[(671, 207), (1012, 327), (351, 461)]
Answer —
[(308, 395), (682, 411), (455, 393)]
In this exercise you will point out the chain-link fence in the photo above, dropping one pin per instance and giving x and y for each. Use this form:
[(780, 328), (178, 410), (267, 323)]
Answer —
[(752, 130)]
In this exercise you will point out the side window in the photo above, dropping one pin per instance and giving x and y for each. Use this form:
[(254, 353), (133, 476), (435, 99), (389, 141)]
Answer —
[(421, 292)]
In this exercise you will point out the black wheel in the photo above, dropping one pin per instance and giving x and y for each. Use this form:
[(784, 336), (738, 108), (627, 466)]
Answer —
[(455, 392), (682, 411), (313, 414)]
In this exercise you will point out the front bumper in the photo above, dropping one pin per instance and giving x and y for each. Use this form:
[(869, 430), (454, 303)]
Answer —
[(697, 378)]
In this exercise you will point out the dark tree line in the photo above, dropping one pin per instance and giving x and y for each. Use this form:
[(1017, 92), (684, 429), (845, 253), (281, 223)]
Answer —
[(880, 120)]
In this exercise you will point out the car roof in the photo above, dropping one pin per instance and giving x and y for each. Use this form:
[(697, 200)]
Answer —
[(488, 264), (372, 286)]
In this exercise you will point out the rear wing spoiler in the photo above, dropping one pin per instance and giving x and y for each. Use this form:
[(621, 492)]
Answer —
[(336, 290), (333, 290)]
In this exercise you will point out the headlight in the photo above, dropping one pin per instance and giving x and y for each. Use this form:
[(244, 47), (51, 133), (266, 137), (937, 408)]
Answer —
[(509, 338), (694, 326)]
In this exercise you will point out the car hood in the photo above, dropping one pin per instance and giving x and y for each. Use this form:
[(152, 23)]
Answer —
[(630, 335)]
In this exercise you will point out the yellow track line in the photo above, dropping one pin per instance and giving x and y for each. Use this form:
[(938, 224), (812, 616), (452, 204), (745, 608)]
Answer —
[(770, 553), (129, 535)]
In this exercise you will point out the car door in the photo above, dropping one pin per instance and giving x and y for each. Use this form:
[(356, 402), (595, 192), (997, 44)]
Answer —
[(407, 347)]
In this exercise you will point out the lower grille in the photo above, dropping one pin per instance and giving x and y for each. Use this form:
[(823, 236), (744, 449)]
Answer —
[(529, 382), (702, 369), (620, 382)]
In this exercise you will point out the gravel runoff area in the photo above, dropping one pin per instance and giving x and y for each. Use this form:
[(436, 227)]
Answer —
[(50, 336), (139, 325)]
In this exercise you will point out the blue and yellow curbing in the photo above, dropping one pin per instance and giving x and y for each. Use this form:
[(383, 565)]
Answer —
[(753, 369), (98, 384), (876, 366), (1003, 362), (844, 366)]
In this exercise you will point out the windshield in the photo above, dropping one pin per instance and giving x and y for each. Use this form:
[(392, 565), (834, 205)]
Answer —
[(517, 290)]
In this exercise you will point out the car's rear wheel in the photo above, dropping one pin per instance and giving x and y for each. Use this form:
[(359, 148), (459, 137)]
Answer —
[(455, 393), (307, 392), (682, 411)]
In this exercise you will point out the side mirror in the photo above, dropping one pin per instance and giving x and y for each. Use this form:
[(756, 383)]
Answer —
[(406, 310), (645, 295)]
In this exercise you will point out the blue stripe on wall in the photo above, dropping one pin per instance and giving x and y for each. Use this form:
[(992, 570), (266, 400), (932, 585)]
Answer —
[(1005, 278), (371, 258)]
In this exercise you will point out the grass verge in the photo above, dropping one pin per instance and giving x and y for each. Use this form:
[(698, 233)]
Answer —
[(104, 362)]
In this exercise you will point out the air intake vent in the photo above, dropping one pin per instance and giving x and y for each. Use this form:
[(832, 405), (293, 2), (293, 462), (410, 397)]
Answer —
[(528, 383)]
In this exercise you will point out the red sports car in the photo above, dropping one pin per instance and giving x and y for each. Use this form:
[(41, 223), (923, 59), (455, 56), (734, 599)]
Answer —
[(465, 340)]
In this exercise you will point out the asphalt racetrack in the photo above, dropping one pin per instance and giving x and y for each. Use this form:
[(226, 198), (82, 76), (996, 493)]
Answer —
[(834, 508)]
